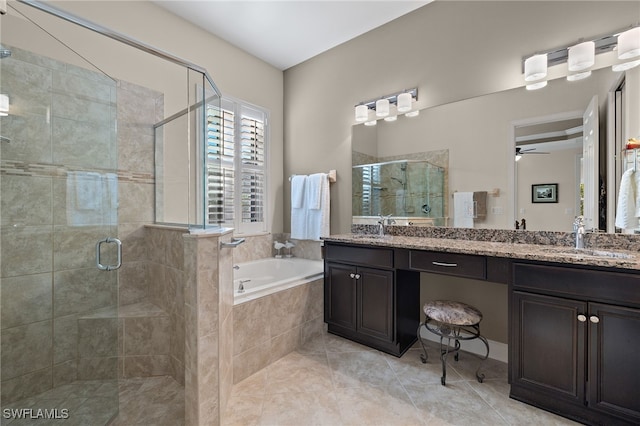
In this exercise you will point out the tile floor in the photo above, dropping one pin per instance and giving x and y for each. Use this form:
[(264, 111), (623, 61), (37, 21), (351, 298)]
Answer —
[(333, 381), (329, 382)]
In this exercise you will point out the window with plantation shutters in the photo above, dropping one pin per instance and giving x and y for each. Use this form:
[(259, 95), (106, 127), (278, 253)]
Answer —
[(236, 166)]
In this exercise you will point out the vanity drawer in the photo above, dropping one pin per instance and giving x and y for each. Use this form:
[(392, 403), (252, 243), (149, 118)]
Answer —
[(584, 284), (461, 265), (372, 256)]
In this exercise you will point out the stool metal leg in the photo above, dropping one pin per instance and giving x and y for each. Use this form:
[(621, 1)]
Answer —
[(479, 375), (455, 333), (423, 355)]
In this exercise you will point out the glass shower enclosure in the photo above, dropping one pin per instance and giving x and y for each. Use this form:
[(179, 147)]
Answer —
[(78, 184)]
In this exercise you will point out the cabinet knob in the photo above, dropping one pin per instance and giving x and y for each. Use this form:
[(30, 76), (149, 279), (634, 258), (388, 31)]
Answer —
[(582, 318), (357, 276), (594, 319), (352, 275)]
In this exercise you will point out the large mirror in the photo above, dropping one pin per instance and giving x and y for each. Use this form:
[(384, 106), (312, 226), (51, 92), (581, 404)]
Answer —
[(481, 136)]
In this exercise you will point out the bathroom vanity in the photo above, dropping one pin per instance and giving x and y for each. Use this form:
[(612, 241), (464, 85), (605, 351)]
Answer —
[(574, 316)]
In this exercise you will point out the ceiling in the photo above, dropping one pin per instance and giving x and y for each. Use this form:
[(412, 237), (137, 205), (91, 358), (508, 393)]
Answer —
[(286, 33)]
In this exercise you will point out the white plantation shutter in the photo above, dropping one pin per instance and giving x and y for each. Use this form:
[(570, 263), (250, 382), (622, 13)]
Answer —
[(253, 170), (236, 166)]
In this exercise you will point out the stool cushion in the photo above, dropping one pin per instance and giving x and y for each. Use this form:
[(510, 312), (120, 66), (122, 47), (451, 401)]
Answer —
[(452, 312)]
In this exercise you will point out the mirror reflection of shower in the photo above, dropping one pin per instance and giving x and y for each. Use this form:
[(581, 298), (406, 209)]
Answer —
[(402, 188)]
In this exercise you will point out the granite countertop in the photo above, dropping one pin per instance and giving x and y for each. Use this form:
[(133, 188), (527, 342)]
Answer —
[(592, 255)]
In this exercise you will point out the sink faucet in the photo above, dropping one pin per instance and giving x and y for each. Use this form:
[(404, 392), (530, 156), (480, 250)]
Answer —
[(381, 224), (578, 228)]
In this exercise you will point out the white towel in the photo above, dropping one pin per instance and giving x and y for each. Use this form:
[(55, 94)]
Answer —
[(463, 209), (299, 213), (297, 191), (314, 189), (318, 219), (84, 198), (110, 181), (626, 211)]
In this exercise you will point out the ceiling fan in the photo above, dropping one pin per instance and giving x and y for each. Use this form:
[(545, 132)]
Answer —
[(520, 152)]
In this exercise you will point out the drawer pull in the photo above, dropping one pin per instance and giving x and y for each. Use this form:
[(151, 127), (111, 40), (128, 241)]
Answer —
[(594, 319), (357, 276), (582, 318), (448, 265), (352, 275)]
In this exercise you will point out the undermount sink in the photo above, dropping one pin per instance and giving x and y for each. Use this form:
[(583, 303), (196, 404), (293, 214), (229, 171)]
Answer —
[(595, 253)]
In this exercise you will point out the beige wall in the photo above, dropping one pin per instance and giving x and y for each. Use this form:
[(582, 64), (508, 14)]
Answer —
[(450, 51), (561, 166)]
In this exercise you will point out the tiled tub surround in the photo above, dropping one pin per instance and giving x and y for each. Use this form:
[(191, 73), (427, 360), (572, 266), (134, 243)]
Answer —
[(533, 245), (261, 247), (268, 328)]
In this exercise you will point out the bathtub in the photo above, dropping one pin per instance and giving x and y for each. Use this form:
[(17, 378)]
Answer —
[(266, 276)]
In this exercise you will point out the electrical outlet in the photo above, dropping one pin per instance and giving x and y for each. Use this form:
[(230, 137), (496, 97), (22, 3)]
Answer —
[(497, 210)]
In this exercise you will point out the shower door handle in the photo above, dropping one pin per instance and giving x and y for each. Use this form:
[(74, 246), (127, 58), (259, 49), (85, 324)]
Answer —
[(118, 244)]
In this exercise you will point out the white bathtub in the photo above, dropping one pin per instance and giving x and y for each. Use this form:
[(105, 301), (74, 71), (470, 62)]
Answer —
[(266, 276)]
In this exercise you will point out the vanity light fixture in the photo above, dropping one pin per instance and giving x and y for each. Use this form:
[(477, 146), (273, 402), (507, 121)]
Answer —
[(414, 113), (370, 123), (535, 69), (629, 44), (4, 105), (382, 107), (404, 102), (362, 113), (581, 57)]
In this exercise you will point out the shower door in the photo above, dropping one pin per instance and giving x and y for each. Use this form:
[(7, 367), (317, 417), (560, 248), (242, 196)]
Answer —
[(58, 201)]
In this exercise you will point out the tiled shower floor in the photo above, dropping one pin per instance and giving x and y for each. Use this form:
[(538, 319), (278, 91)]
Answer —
[(152, 401)]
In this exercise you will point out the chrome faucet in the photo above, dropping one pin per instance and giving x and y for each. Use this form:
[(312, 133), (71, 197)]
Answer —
[(381, 224), (578, 228)]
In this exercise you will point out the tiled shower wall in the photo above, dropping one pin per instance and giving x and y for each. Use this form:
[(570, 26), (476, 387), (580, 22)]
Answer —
[(46, 274), (53, 297)]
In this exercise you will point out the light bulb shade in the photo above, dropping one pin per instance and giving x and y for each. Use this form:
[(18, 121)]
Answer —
[(391, 118), (404, 102), (535, 67), (537, 85), (370, 123), (625, 66), (582, 56), (413, 113), (382, 107), (362, 113), (578, 76), (4, 105), (629, 43)]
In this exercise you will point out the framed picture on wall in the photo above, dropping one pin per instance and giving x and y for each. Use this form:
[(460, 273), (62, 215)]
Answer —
[(544, 193)]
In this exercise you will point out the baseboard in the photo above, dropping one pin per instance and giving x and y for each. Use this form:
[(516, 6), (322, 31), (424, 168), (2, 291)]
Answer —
[(497, 350)]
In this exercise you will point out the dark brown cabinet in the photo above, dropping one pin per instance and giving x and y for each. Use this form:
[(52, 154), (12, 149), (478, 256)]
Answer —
[(369, 302), (574, 345)]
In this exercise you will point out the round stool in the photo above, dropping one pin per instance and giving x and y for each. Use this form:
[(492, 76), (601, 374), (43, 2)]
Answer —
[(454, 321)]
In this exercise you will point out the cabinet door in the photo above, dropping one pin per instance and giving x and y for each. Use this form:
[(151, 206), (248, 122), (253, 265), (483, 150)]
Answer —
[(340, 295), (375, 303), (614, 374), (549, 345)]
